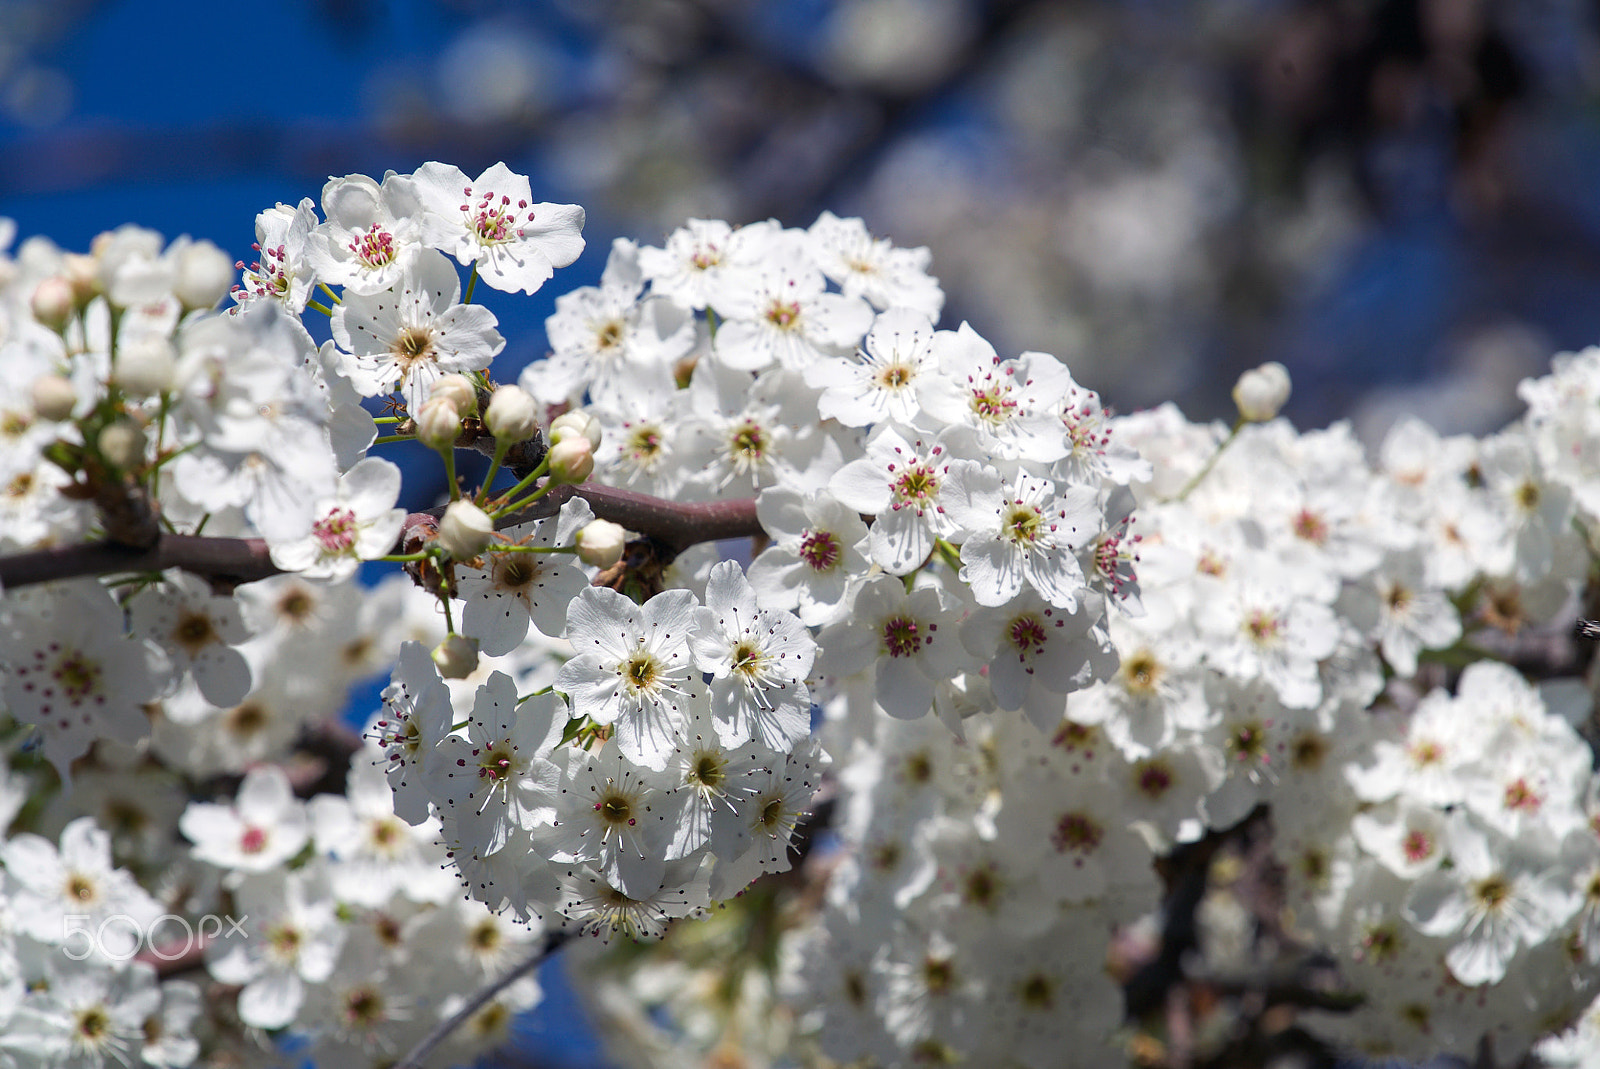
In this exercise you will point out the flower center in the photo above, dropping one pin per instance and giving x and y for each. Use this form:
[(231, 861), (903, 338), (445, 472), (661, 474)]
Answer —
[(916, 486), (616, 811), (1417, 845), (644, 443), (820, 550), (894, 377), (335, 532), (1141, 673), (495, 763), (1023, 524), (77, 676), (375, 248), (993, 404), (1027, 634), (1520, 796), (253, 840), (492, 222), (1311, 527), (1153, 779), (1263, 626), (902, 637), (709, 771), (785, 315), (1077, 832)]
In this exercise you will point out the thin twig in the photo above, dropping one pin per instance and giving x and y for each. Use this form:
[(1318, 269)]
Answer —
[(420, 1052)]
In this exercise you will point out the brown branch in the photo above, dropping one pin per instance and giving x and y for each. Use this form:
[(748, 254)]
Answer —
[(228, 562)]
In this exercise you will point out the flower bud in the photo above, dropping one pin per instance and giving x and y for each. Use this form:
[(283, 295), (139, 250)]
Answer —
[(203, 275), (512, 414), (571, 460), (1261, 392), (83, 274), (459, 391), (465, 530), (122, 444), (601, 543), (438, 423), (53, 302), (456, 657), (145, 367), (572, 423), (54, 397)]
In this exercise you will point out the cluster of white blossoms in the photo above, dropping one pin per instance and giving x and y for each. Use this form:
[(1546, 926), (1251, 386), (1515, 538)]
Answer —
[(1042, 646)]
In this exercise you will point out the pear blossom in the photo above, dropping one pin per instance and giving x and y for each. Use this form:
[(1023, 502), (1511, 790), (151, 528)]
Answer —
[(499, 779), (70, 669), (359, 522), (1026, 534), (490, 222), (372, 234), (819, 549), (865, 266), (904, 484), (263, 827), (517, 588), (1497, 897), (758, 660), (895, 362), (284, 272), (407, 337), (199, 632), (632, 667), (782, 315)]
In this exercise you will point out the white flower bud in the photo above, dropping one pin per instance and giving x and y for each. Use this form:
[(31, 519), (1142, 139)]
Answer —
[(54, 397), (458, 390), (465, 530), (572, 423), (512, 414), (571, 460), (438, 423), (145, 367), (53, 302), (456, 657), (122, 444), (601, 543), (1261, 392), (203, 275), (83, 273)]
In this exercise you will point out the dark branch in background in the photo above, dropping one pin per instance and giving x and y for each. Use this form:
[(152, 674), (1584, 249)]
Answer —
[(228, 562)]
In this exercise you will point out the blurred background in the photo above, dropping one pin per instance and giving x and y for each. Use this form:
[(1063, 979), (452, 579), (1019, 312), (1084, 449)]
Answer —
[(1398, 199)]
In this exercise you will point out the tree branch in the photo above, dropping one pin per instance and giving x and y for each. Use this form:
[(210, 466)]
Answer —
[(420, 1052), (228, 562)]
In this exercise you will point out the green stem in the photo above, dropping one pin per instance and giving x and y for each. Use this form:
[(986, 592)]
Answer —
[(522, 484), (1200, 475), (389, 419), (472, 283), (406, 558), (332, 296), (449, 454), (385, 439), (533, 549), (500, 447), (518, 506), (321, 308)]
